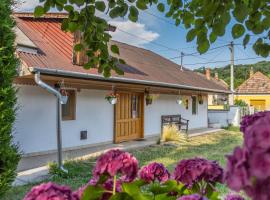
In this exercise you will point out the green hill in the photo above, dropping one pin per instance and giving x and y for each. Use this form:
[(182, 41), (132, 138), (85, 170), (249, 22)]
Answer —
[(241, 72)]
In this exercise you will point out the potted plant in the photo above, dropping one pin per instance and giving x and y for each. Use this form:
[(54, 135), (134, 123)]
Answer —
[(200, 99), (179, 100), (148, 99), (112, 98)]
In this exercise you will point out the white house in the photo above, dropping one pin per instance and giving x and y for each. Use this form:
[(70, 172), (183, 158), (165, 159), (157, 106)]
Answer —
[(87, 118)]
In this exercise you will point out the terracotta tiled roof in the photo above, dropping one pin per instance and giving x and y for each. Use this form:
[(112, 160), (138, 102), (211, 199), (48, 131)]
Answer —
[(55, 52), (258, 83)]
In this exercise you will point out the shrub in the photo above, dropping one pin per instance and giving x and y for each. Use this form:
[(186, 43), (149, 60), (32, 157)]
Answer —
[(240, 103), (9, 157), (172, 133)]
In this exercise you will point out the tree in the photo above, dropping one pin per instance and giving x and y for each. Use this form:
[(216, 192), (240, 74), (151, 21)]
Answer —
[(205, 20), (9, 156)]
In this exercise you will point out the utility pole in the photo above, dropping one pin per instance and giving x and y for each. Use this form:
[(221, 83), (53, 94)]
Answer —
[(182, 57), (231, 47)]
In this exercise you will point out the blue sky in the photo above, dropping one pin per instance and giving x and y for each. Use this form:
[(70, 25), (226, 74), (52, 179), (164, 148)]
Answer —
[(158, 33)]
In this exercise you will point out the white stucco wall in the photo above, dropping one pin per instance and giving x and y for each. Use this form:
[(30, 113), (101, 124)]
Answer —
[(166, 105), (35, 126), (223, 118)]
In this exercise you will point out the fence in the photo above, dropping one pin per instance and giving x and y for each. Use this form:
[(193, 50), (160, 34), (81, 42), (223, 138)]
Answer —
[(224, 118)]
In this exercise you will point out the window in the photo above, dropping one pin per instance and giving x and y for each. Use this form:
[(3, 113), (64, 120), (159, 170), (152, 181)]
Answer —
[(69, 109), (194, 105), (135, 106)]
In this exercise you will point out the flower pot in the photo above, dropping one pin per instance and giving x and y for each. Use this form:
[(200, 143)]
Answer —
[(113, 100), (148, 101), (179, 101)]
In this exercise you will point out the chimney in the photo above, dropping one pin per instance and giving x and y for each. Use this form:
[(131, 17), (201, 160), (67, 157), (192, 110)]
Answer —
[(216, 75), (251, 72), (208, 73)]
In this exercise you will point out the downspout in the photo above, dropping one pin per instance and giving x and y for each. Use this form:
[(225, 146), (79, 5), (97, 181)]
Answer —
[(60, 100)]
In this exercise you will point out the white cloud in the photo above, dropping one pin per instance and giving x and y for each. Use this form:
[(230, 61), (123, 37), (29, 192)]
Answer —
[(124, 27), (26, 5)]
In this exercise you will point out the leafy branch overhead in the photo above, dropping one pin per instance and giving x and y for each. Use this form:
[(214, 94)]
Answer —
[(205, 20)]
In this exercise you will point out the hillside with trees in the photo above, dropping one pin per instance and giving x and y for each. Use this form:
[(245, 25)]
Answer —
[(241, 72)]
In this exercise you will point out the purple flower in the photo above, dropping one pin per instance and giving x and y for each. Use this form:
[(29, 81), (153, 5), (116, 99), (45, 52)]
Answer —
[(257, 136), (248, 167), (192, 197), (115, 161), (193, 170), (234, 197), (154, 171), (237, 175), (50, 191), (248, 120)]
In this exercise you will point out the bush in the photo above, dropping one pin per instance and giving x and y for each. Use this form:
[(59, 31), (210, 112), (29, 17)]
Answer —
[(171, 133), (9, 157), (240, 103)]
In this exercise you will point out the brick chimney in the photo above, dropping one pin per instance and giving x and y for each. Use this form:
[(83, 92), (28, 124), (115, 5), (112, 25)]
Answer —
[(216, 75), (251, 72), (208, 73)]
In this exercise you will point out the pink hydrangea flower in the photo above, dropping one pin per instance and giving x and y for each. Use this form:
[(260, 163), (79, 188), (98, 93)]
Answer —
[(193, 170), (50, 191), (234, 197), (248, 167), (154, 171), (116, 161), (192, 197), (248, 120)]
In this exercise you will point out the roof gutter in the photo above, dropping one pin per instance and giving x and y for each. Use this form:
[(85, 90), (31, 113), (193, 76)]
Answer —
[(120, 79)]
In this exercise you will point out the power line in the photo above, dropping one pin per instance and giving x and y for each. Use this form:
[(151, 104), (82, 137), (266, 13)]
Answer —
[(220, 61), (194, 53), (158, 44)]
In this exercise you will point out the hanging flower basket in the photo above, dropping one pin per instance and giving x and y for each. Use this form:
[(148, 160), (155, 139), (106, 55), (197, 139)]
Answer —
[(179, 101), (112, 98), (200, 99), (149, 99)]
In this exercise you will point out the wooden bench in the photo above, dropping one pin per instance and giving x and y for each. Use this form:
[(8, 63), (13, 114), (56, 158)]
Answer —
[(177, 120)]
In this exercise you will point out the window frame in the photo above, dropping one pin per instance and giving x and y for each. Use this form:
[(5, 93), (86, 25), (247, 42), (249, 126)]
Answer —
[(72, 98), (196, 105)]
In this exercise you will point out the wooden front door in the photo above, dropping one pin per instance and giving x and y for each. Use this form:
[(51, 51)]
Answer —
[(129, 112)]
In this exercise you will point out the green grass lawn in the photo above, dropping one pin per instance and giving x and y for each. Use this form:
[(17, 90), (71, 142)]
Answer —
[(211, 146)]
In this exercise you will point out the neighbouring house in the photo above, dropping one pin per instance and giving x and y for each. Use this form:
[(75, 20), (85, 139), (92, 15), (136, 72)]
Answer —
[(87, 118), (216, 101), (255, 91)]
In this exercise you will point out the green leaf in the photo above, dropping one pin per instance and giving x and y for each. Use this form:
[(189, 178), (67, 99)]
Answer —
[(240, 12), (161, 7), (141, 5), (191, 35), (114, 12), (203, 47), (212, 37), (246, 40), (133, 13), (72, 26), (100, 5), (78, 47), (39, 11), (115, 49), (92, 193), (122, 61), (238, 30), (219, 29), (121, 196), (68, 8)]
